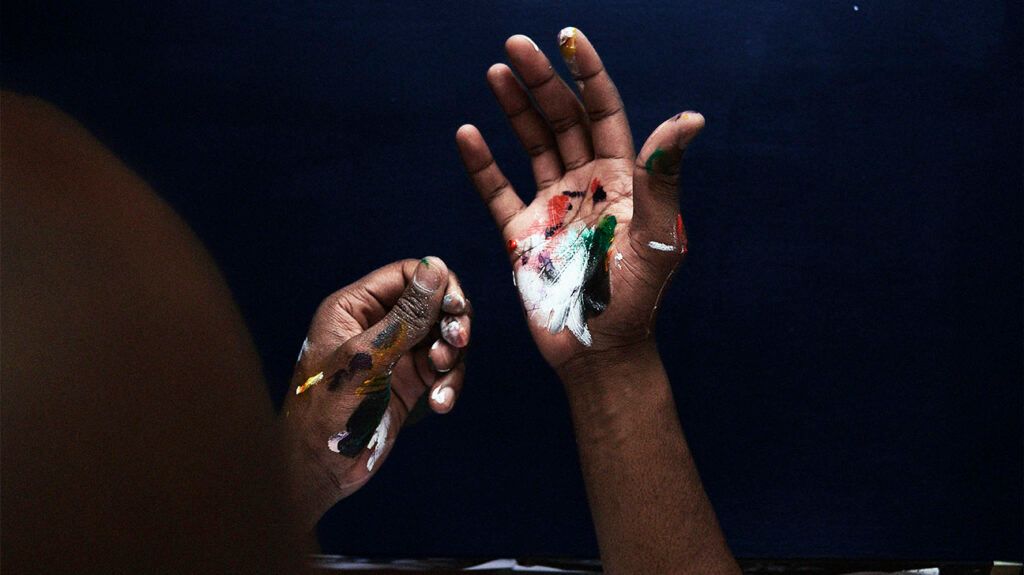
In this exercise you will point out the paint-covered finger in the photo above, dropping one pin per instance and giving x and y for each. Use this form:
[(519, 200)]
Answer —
[(362, 366), (443, 356), (454, 302), (609, 128), (657, 222), (447, 389), (533, 132), (455, 330), (557, 102), (412, 316), (493, 187)]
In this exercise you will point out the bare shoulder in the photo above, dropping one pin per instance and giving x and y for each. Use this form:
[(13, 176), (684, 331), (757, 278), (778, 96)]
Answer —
[(132, 394)]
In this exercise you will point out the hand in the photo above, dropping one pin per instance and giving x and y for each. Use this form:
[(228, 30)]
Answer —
[(373, 349), (596, 247)]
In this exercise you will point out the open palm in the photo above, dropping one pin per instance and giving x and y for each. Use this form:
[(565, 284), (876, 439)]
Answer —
[(594, 249)]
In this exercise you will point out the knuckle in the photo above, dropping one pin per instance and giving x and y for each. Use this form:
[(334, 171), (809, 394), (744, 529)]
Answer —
[(496, 191), (413, 310), (599, 114), (577, 163), (564, 124)]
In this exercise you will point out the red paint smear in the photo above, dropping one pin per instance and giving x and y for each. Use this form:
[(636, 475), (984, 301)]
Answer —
[(594, 184), (557, 207), (679, 228), (512, 245)]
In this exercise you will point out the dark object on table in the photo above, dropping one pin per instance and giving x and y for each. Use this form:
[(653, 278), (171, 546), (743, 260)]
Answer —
[(332, 563)]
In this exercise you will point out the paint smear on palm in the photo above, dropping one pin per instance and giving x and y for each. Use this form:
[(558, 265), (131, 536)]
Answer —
[(563, 276)]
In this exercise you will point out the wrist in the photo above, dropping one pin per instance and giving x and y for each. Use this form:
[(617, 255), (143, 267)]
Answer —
[(313, 487), (611, 365)]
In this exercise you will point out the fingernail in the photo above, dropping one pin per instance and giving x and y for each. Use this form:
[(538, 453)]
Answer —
[(428, 277), (436, 349), (453, 303), (567, 46), (451, 331), (443, 396)]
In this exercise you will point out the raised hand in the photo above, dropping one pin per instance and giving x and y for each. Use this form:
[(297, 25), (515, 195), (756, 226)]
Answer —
[(596, 247), (373, 349)]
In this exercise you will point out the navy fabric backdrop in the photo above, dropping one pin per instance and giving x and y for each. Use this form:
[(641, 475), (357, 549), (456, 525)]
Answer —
[(844, 341)]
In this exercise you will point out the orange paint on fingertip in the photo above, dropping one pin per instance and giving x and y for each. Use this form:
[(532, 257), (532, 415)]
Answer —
[(567, 42), (511, 246)]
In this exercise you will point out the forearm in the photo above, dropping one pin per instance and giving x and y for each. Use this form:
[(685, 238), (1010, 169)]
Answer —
[(649, 508)]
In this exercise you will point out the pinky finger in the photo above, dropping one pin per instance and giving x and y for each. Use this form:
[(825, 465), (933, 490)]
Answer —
[(447, 388), (493, 187)]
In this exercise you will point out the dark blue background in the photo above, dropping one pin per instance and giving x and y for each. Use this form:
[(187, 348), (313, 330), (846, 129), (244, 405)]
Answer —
[(845, 340)]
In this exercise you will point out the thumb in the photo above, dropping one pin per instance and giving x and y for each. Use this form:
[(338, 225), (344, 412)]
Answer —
[(657, 222), (409, 320), (362, 365)]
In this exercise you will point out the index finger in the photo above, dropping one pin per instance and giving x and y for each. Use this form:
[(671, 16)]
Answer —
[(609, 127)]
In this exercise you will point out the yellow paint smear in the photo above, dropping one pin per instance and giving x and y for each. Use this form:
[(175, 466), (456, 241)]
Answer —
[(374, 384), (309, 383), (567, 44)]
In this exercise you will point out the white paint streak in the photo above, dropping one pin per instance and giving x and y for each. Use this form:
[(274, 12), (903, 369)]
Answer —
[(304, 349), (442, 395), (451, 330), (618, 260), (335, 439), (556, 302), (661, 247), (379, 440)]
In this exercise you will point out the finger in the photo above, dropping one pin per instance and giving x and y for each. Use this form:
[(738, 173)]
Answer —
[(609, 128), (352, 309), (363, 364), (656, 218), (447, 389), (443, 356), (493, 187), (559, 105), (528, 124), (454, 302), (455, 330), (456, 322), (410, 318)]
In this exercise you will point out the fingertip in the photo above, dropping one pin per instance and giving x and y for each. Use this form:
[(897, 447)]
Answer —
[(521, 40), (442, 399), (454, 302), (442, 357), (454, 332), (430, 273), (466, 131), (497, 71), (690, 124)]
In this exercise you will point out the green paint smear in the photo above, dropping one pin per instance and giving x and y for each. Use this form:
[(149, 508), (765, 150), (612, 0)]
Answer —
[(597, 284), (653, 159)]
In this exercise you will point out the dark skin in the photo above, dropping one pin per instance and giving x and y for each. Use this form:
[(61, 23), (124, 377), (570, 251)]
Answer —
[(137, 433), (649, 508), (409, 297)]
